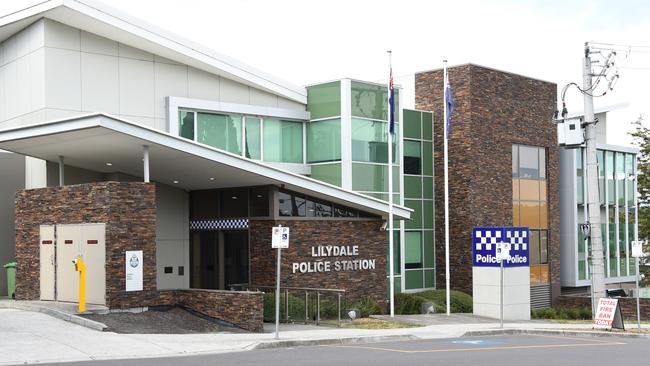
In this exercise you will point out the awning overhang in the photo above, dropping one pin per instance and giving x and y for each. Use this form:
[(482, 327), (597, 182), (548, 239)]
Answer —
[(107, 144)]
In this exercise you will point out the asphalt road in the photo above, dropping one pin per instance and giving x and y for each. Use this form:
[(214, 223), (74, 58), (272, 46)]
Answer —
[(489, 350)]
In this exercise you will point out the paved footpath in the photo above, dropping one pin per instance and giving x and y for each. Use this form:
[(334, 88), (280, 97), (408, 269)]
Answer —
[(31, 337)]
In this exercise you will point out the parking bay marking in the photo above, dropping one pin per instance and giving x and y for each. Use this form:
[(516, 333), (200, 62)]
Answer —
[(536, 346)]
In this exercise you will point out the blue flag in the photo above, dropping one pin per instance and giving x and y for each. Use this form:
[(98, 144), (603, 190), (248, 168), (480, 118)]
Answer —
[(391, 106), (449, 99)]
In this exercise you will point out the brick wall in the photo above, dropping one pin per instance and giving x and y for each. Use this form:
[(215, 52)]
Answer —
[(240, 308), (127, 209), (628, 305), (304, 234), (493, 110)]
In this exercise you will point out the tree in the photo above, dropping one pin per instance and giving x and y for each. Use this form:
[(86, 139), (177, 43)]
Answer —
[(641, 137)]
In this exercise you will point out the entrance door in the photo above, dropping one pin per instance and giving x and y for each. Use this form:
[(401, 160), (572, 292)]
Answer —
[(47, 261), (68, 238), (219, 259), (235, 257), (89, 241), (93, 250)]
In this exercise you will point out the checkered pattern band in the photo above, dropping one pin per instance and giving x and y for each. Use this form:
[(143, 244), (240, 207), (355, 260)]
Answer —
[(486, 237), (219, 224), (517, 237)]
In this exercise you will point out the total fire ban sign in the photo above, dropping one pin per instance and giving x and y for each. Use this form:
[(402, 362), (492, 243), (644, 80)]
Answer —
[(608, 315), (486, 239)]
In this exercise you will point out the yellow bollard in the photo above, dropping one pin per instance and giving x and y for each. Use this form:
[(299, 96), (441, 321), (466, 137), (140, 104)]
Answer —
[(80, 267)]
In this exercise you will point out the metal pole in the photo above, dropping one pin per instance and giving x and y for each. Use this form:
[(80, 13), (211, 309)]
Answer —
[(638, 310), (501, 293), (145, 160), (61, 171), (277, 295), (338, 322), (306, 306), (391, 271), (446, 166), (317, 308), (597, 274)]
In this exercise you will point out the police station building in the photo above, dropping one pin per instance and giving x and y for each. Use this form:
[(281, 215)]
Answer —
[(130, 146)]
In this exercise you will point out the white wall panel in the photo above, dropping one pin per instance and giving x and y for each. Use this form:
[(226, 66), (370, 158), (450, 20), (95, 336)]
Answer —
[(62, 79), (290, 104), (96, 44), (58, 35), (230, 91), (100, 83), (172, 233), (37, 79), (134, 53), (259, 97), (11, 85), (203, 85), (169, 80), (145, 121), (136, 88)]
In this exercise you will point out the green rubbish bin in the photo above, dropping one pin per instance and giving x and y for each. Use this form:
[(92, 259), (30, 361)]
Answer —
[(11, 279)]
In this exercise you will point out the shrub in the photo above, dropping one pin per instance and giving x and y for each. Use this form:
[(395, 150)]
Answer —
[(562, 313), (408, 304), (296, 307), (368, 306), (460, 302)]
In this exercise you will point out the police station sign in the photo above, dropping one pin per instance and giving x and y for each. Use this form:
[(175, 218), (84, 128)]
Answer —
[(484, 246), (334, 258)]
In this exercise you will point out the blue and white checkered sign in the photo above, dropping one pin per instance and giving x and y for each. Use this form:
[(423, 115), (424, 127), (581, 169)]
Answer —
[(484, 246)]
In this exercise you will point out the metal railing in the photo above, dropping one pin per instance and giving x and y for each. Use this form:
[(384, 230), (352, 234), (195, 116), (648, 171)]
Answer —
[(318, 311)]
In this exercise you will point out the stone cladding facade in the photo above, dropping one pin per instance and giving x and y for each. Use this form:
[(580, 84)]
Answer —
[(493, 111)]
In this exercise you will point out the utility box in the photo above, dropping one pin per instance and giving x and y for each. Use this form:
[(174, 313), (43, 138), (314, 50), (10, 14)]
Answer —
[(569, 133)]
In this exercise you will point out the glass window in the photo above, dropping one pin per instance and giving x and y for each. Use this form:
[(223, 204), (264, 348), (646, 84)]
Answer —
[(534, 247), (412, 187), (341, 211), (611, 197), (186, 124), (412, 249), (324, 100), (253, 138), (259, 202), (629, 176), (370, 101), (543, 246), (204, 204), (427, 126), (220, 131), (373, 177), (600, 156), (542, 163), (412, 157), (329, 173), (234, 203), (515, 161), (529, 214), (369, 141), (412, 124), (580, 174), (427, 158), (318, 209), (324, 141), (529, 190), (284, 204), (620, 178), (292, 205), (528, 162), (282, 141)]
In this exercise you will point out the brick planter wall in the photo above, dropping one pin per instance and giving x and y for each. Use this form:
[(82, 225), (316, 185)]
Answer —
[(628, 305), (127, 208), (304, 234), (240, 308), (493, 111)]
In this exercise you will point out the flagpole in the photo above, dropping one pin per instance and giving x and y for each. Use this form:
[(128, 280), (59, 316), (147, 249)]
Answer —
[(446, 163), (390, 194)]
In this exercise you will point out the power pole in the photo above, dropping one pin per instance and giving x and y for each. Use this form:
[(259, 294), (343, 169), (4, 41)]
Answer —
[(593, 206)]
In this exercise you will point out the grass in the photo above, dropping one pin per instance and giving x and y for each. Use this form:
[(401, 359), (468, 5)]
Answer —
[(370, 323)]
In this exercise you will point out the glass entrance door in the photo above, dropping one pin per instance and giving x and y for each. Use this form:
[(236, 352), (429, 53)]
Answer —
[(219, 259)]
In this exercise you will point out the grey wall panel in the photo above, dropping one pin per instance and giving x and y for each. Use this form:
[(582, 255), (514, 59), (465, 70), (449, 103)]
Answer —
[(568, 212), (172, 236), (12, 178)]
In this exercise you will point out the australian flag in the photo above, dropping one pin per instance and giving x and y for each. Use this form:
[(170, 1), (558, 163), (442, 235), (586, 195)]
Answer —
[(391, 102), (449, 100)]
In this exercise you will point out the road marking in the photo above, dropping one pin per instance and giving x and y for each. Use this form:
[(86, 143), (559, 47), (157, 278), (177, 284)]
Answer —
[(537, 346)]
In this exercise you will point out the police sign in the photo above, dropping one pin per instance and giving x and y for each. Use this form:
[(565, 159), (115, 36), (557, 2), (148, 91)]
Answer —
[(484, 246)]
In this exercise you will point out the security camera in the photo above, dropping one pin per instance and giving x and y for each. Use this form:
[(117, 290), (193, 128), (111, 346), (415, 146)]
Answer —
[(383, 226)]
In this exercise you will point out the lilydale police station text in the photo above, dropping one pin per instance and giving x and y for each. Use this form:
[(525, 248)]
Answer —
[(325, 265)]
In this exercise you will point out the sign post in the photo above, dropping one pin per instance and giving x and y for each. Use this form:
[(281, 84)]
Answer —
[(503, 254), (637, 252), (279, 240)]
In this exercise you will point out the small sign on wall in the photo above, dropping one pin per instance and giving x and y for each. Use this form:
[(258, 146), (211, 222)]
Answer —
[(133, 272)]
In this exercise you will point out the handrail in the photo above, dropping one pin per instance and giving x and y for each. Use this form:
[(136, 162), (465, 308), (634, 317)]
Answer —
[(298, 288)]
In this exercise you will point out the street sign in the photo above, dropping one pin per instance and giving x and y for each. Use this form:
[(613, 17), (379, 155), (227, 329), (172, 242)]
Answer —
[(637, 249), (280, 237), (608, 315), (486, 239)]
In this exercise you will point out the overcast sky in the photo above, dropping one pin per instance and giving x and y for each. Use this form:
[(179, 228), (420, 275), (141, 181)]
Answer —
[(310, 41)]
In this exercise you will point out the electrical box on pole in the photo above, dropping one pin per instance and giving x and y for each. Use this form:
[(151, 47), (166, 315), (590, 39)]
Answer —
[(570, 133)]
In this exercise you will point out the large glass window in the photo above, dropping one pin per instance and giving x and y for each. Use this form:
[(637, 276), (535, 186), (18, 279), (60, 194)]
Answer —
[(529, 162), (253, 138), (282, 141), (370, 101), (413, 249), (369, 141), (324, 100), (412, 157), (186, 124), (324, 141), (220, 131)]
